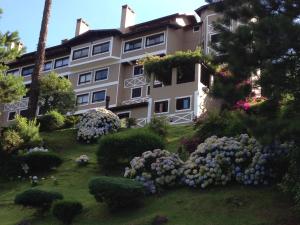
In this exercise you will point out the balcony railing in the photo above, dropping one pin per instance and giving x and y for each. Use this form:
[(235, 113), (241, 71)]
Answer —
[(19, 105), (135, 101), (135, 82)]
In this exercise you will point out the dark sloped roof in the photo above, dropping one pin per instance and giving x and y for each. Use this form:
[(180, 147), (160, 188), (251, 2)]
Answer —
[(205, 7)]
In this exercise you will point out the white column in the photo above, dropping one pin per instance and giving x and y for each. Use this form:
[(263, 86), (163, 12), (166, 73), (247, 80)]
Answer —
[(149, 113)]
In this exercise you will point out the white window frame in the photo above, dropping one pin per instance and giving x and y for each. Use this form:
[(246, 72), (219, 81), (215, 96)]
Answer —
[(55, 68), (76, 49), (78, 78), (99, 43), (136, 88), (48, 61), (25, 67), (18, 74), (92, 96), (181, 97), (162, 100), (145, 42), (104, 68), (124, 44), (87, 93), (142, 74)]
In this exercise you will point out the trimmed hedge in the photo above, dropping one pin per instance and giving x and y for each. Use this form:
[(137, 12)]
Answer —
[(66, 211), (117, 193), (37, 199), (41, 161), (116, 150), (51, 121)]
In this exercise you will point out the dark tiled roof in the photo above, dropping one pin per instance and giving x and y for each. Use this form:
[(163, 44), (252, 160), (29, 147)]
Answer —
[(205, 7)]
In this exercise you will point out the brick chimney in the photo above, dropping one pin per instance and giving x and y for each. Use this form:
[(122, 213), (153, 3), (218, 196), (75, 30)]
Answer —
[(81, 27), (127, 18)]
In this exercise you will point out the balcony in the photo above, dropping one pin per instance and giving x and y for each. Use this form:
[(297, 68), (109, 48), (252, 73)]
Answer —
[(135, 82), (135, 101), (18, 105)]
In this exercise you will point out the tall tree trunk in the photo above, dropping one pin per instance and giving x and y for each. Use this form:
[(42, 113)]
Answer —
[(39, 62)]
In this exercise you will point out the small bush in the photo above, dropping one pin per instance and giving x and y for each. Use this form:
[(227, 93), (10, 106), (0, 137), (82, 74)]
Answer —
[(116, 150), (51, 121), (96, 123), (71, 121), (66, 211), (130, 122), (117, 193), (159, 125), (11, 141), (190, 144), (41, 161), (28, 131), (39, 199), (10, 165)]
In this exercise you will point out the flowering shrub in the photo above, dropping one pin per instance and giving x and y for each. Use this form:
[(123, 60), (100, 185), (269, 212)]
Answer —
[(96, 123), (157, 168), (82, 160), (217, 161), (249, 102), (37, 149)]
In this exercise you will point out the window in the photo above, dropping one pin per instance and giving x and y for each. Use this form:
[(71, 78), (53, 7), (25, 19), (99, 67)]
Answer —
[(161, 106), (84, 78), (155, 39), (65, 76), (196, 28), (136, 92), (81, 53), (27, 71), (148, 90), (185, 74), (61, 62), (138, 70), (101, 74), (124, 115), (82, 99), (11, 115), (133, 45), (167, 81), (99, 96), (47, 66), (101, 48), (215, 38), (13, 72), (183, 103)]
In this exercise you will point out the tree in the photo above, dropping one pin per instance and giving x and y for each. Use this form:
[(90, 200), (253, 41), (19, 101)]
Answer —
[(268, 38), (39, 62), (56, 93), (11, 87)]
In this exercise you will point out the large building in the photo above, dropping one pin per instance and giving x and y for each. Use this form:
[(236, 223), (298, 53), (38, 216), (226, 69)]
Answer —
[(102, 63)]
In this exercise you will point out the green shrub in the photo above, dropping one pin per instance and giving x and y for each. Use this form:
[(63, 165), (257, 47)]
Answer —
[(10, 165), (130, 122), (66, 211), (116, 150), (11, 141), (41, 161), (51, 121), (117, 193), (159, 125), (71, 121), (28, 131), (39, 199)]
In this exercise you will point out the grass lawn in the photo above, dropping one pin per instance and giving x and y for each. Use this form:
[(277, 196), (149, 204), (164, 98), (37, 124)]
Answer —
[(233, 205)]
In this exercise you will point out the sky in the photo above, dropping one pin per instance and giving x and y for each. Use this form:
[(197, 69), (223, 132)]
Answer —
[(25, 16)]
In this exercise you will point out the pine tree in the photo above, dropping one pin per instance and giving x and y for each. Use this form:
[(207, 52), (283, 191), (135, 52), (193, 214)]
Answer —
[(267, 38), (39, 62)]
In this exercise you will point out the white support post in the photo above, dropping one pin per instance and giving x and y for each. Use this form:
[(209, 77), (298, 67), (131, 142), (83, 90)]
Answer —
[(149, 113)]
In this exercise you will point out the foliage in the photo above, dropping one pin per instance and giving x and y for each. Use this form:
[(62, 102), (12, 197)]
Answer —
[(12, 87), (56, 93), (41, 161), (190, 144), (11, 141), (161, 66), (10, 165), (39, 199), (266, 40), (117, 193), (96, 123), (159, 125), (28, 131), (130, 122), (118, 149), (82, 160), (66, 211), (218, 161), (155, 169), (51, 121), (71, 121)]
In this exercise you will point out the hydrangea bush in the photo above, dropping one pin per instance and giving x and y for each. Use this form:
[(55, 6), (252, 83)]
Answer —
[(155, 169), (82, 160), (217, 161), (95, 123)]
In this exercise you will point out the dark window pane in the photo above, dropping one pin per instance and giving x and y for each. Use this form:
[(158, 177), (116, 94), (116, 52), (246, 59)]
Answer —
[(133, 45), (138, 70), (155, 39), (101, 74), (12, 115), (148, 90), (101, 48), (136, 92), (47, 66), (80, 53), (196, 28), (82, 99), (185, 74), (161, 107), (85, 78), (124, 115), (61, 62), (99, 96), (183, 103), (13, 72), (27, 71)]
